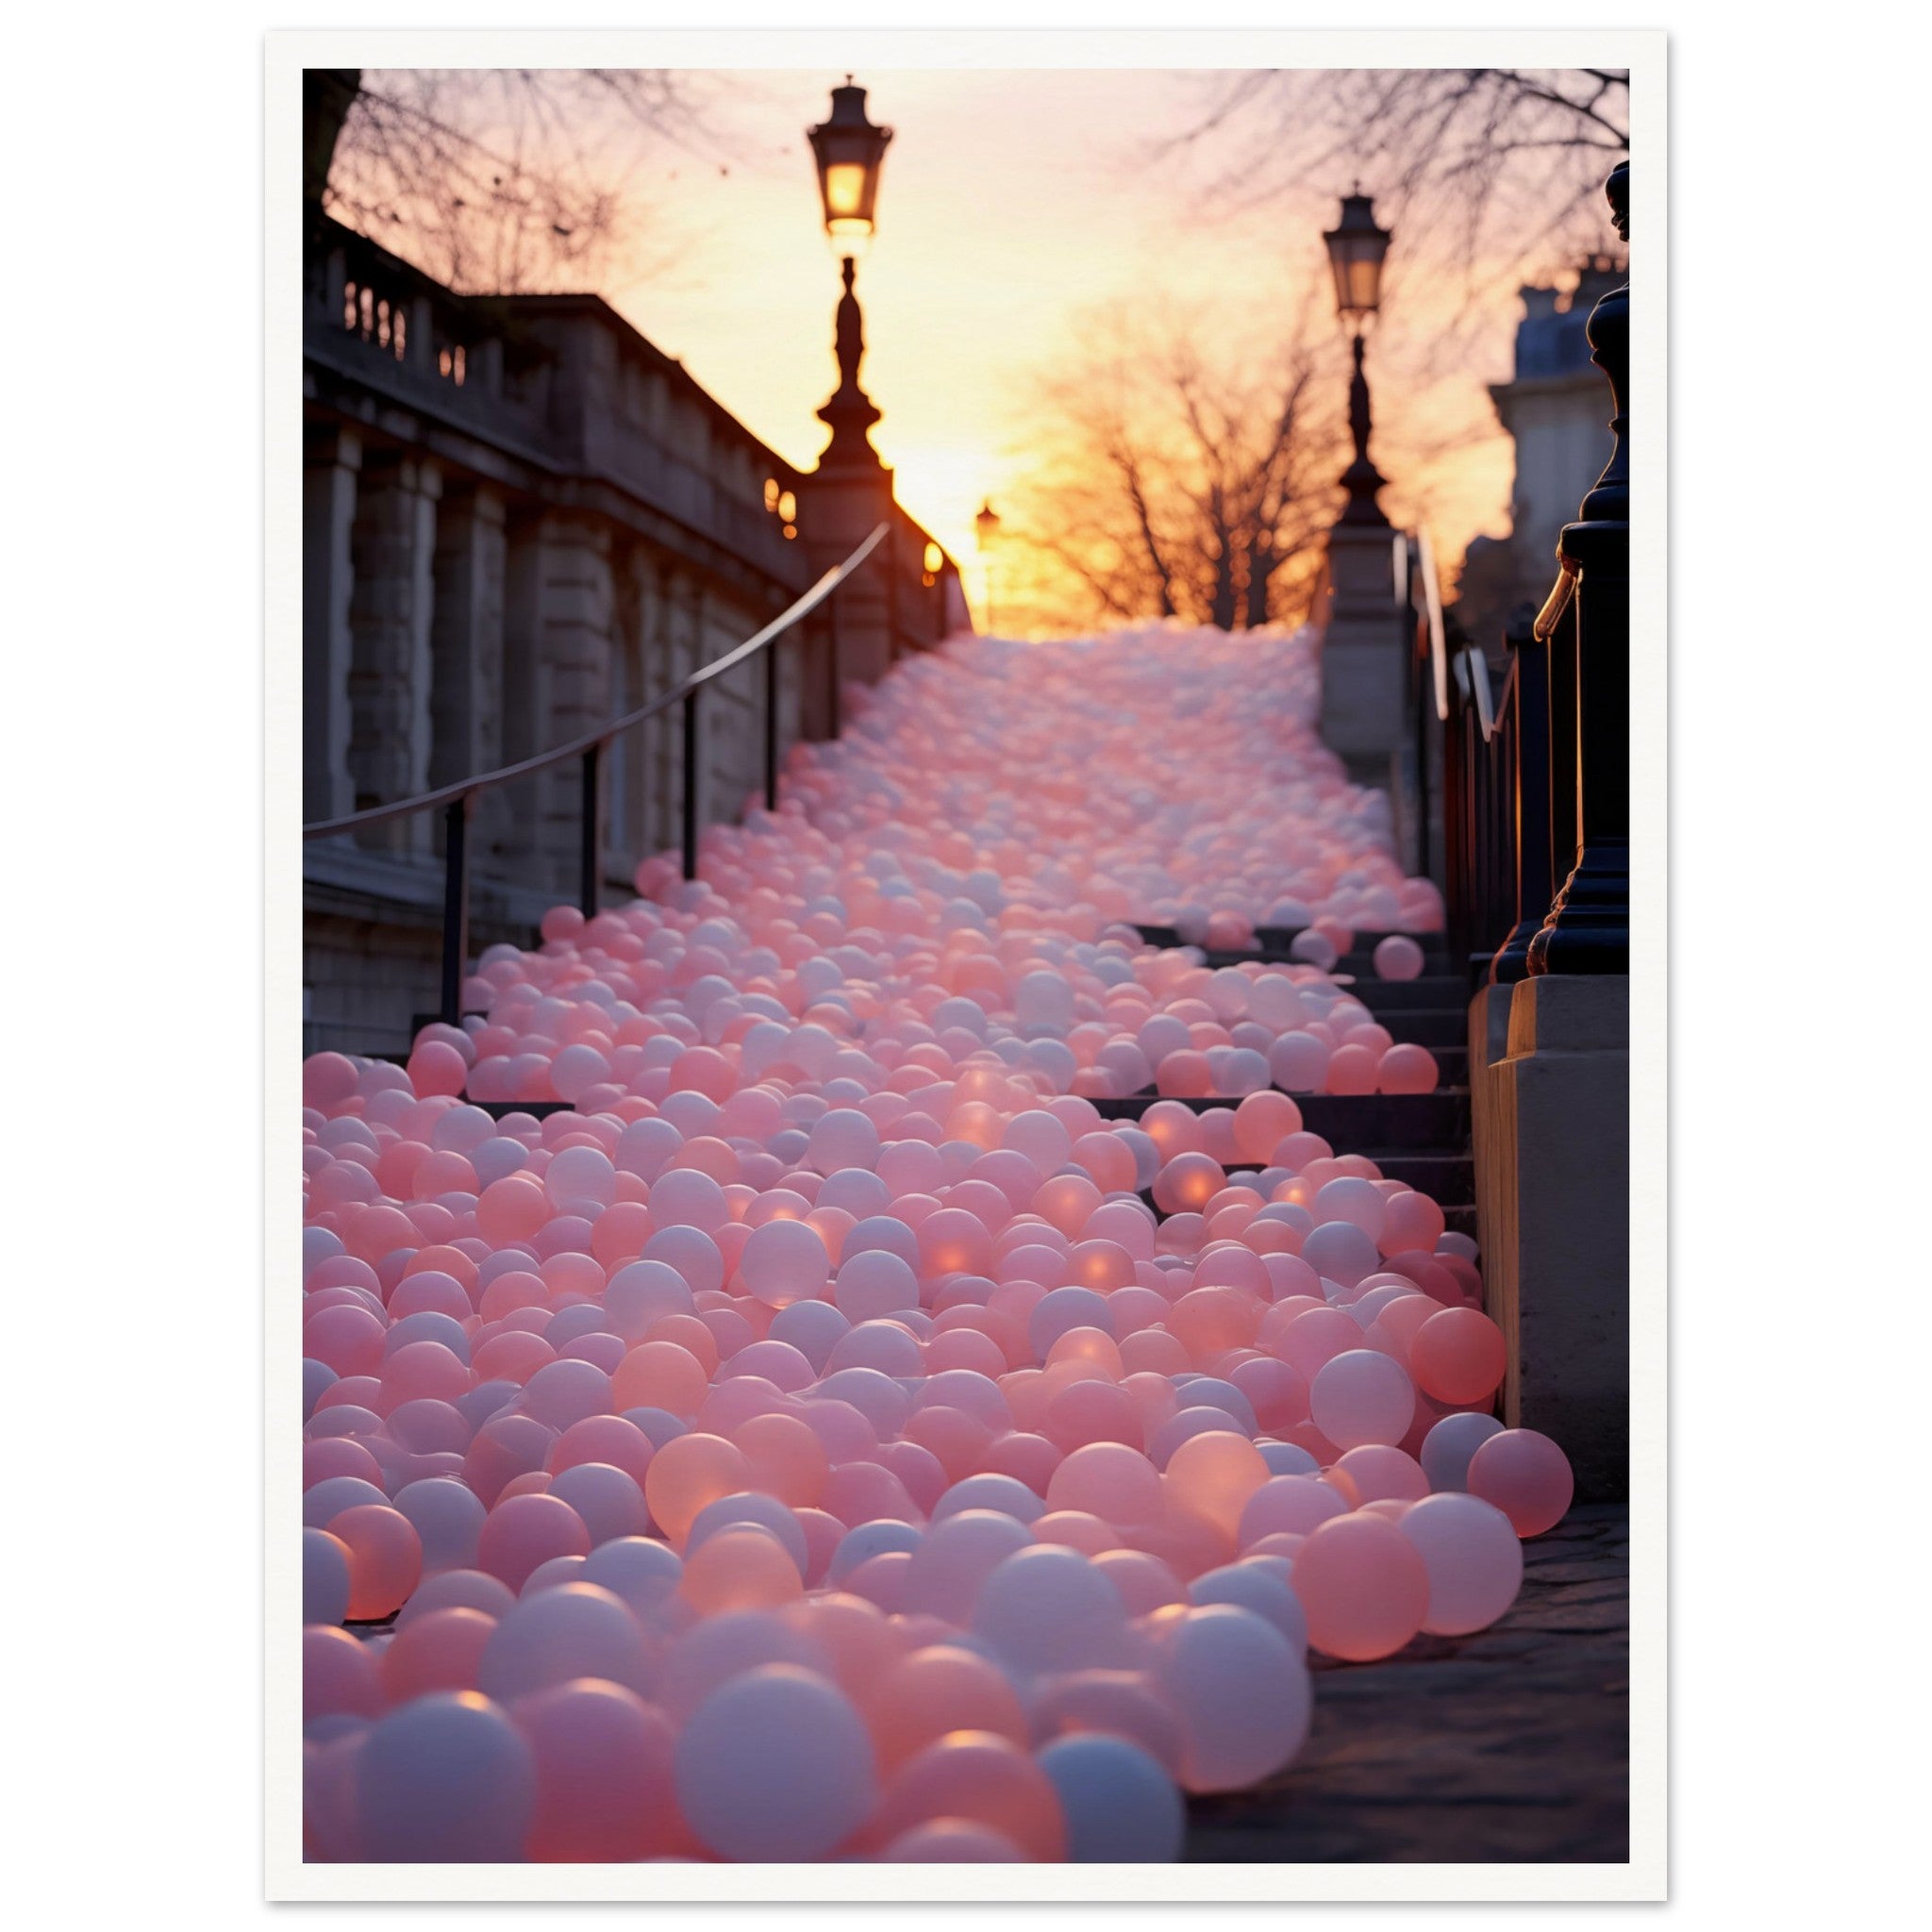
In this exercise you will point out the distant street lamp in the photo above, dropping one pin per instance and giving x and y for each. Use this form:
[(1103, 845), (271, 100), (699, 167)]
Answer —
[(1357, 248), (985, 530), (848, 151)]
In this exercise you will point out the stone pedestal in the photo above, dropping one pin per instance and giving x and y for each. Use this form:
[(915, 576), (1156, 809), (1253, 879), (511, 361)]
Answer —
[(1551, 1106), (1365, 657), (841, 506), (330, 462)]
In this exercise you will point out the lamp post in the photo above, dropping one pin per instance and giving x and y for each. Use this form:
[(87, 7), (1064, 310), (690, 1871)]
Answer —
[(985, 530), (849, 150), (1357, 248)]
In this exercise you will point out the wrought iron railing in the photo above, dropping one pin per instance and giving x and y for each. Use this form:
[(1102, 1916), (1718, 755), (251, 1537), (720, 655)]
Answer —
[(456, 801), (1532, 785)]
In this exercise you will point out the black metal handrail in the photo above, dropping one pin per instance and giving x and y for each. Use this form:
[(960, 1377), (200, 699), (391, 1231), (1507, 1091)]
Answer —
[(456, 800)]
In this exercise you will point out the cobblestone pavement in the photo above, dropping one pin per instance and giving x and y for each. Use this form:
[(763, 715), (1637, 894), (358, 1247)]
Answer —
[(1510, 1744)]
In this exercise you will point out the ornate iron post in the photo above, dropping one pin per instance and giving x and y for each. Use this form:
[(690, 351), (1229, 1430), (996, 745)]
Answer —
[(1587, 929), (849, 413)]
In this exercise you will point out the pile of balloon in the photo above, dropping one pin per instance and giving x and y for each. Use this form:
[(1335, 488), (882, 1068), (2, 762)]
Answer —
[(824, 1436)]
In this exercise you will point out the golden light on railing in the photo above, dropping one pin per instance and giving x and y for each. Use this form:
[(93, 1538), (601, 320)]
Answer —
[(787, 505), (772, 493)]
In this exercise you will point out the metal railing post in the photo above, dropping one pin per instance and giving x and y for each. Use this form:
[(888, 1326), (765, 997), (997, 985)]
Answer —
[(1530, 730), (456, 906), (892, 595), (835, 711), (456, 800), (588, 854), (772, 729), (690, 783)]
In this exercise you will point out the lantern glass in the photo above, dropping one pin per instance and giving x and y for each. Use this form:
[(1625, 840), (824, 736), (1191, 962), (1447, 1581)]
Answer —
[(849, 150), (845, 192), (1357, 248)]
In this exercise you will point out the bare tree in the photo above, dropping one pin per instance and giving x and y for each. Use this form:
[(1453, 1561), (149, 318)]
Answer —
[(496, 181), (1500, 168), (1173, 482)]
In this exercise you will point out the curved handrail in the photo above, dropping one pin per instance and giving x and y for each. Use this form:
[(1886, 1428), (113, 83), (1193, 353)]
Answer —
[(1547, 619), (484, 781)]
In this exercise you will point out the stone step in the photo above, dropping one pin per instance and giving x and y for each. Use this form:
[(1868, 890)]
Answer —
[(1435, 1027), (1279, 939), (1350, 1123), (1274, 942), (1446, 1179), (1435, 994)]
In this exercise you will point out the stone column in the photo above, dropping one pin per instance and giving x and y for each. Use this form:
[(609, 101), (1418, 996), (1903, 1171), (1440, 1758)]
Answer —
[(466, 647), (839, 509), (393, 545), (1365, 657), (628, 761), (556, 678), (657, 740), (331, 459)]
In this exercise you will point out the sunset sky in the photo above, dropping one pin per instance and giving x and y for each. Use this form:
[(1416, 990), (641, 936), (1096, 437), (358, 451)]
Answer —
[(1021, 215), (1012, 204)]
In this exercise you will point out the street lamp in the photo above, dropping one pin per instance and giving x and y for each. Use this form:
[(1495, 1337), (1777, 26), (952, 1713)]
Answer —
[(848, 151), (985, 530), (1357, 248)]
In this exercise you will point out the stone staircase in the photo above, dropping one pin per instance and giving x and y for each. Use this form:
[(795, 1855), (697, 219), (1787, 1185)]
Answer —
[(1422, 1139)]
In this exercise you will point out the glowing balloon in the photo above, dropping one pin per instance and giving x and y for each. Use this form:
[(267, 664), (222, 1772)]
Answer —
[(1363, 1587)]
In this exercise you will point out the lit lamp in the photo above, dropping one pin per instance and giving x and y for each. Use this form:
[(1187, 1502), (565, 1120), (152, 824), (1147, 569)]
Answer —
[(1357, 249), (985, 530), (848, 151)]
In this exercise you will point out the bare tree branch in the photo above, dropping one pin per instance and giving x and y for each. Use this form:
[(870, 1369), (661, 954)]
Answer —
[(1173, 480), (502, 181)]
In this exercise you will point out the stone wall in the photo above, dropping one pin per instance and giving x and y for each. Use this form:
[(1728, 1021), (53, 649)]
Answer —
[(520, 521)]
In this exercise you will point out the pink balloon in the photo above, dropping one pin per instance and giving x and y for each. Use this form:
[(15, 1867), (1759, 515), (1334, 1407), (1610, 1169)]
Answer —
[(1526, 1476), (1475, 1561), (1363, 1586)]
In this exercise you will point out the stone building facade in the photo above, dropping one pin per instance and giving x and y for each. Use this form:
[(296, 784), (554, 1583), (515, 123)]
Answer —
[(520, 521)]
